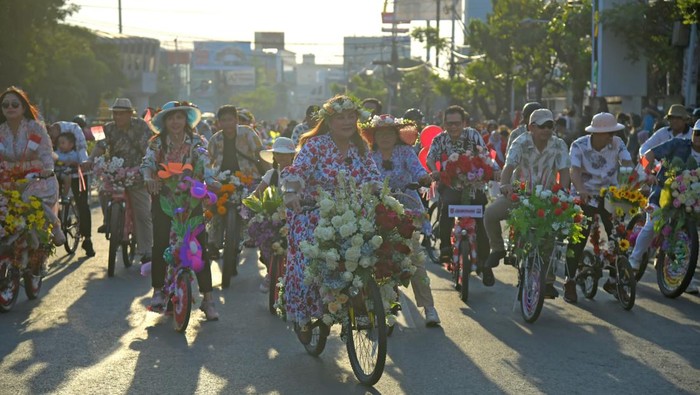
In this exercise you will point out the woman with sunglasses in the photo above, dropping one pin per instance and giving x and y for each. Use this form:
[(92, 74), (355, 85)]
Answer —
[(25, 148), (390, 140)]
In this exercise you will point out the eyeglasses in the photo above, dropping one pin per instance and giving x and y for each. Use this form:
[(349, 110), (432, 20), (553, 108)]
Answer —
[(387, 165), (7, 104)]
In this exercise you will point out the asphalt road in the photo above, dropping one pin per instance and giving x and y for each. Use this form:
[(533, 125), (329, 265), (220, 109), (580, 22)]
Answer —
[(89, 334)]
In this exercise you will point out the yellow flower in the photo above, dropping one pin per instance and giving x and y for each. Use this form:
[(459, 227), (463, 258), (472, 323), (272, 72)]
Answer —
[(624, 245), (602, 191), (613, 189), (619, 212), (634, 210)]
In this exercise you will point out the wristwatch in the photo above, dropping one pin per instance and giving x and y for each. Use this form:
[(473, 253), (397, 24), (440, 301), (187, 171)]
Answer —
[(289, 190)]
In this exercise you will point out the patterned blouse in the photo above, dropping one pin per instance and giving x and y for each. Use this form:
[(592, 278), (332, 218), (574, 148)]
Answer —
[(535, 167), (598, 168), (129, 144), (443, 145), (192, 151), (402, 169), (22, 150), (318, 164), (247, 141)]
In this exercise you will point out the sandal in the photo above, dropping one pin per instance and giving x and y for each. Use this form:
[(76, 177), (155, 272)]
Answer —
[(207, 307)]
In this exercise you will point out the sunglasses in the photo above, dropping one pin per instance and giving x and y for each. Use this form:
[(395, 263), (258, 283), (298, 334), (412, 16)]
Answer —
[(546, 125), (7, 104)]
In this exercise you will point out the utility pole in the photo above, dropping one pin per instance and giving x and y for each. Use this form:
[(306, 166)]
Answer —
[(437, 28), (120, 16), (452, 44)]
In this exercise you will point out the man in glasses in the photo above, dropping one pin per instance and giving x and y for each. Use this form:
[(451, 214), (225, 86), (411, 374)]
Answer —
[(678, 127), (457, 137), (537, 158)]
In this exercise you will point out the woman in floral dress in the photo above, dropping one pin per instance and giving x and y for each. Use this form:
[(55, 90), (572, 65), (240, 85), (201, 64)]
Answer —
[(25, 147), (175, 143), (333, 145), (390, 139)]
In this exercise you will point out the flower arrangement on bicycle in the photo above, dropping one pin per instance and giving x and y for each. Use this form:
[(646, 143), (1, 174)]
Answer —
[(234, 187), (679, 200), (625, 198), (180, 194), (468, 171), (360, 236), (24, 225), (545, 214), (268, 226), (115, 177)]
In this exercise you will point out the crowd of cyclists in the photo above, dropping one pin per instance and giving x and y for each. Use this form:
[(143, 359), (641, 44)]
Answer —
[(542, 149)]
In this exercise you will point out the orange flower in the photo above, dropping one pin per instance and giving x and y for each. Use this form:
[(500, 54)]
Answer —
[(227, 188), (171, 169), (208, 214), (221, 210)]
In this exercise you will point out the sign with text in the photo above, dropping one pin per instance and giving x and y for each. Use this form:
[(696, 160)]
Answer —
[(465, 211)]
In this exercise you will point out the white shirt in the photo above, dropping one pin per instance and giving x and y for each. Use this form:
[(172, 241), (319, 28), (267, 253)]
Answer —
[(661, 136), (598, 168), (80, 143)]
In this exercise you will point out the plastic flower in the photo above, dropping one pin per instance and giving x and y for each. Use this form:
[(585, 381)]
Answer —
[(172, 169), (191, 250), (624, 245)]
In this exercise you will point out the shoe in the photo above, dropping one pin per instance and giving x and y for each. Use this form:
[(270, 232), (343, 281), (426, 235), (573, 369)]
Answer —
[(158, 299), (213, 251), (550, 292), (207, 307), (494, 258), (102, 229), (303, 334), (610, 287), (265, 284), (145, 259), (87, 246), (59, 238), (431, 317), (570, 295), (487, 277)]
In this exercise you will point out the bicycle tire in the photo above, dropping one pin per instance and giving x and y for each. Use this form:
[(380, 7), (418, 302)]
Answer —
[(638, 220), (272, 291), (532, 288), (368, 372), (319, 335), (181, 302), (231, 242), (465, 267), (125, 254), (116, 230), (587, 277), (626, 283), (673, 275), (70, 225), (9, 286)]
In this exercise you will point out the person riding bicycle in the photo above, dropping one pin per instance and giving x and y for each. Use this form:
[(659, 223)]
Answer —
[(681, 148), (127, 137), (390, 140), (538, 158), (457, 137), (333, 145), (175, 142), (678, 127), (595, 161), (528, 109)]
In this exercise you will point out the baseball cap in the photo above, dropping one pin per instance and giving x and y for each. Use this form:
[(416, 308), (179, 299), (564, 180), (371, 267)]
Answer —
[(540, 116)]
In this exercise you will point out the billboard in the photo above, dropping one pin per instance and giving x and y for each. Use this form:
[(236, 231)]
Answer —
[(267, 40), (220, 55), (426, 10)]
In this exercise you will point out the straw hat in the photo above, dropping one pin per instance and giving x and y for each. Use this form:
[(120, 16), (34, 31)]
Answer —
[(193, 114), (604, 122), (282, 145), (677, 111)]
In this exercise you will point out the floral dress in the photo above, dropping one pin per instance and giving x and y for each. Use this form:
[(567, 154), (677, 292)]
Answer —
[(316, 166), (405, 168)]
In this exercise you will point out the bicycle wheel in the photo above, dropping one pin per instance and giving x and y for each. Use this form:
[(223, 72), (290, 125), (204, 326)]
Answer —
[(465, 267), (319, 335), (232, 240), (532, 287), (675, 266), (70, 224), (635, 226), (9, 286), (125, 254), (181, 301), (116, 229), (366, 336), (587, 277), (273, 292), (626, 283)]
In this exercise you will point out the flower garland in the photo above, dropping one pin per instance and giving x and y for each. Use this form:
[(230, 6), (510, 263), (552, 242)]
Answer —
[(380, 121), (340, 104), (114, 176), (360, 236)]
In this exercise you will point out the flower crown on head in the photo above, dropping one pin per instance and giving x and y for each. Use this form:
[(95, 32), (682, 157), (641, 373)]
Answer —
[(386, 120), (340, 104)]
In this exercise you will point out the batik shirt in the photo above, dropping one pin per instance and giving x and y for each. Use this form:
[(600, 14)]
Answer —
[(598, 168), (129, 144), (247, 142), (537, 167), (443, 145), (192, 151), (299, 130)]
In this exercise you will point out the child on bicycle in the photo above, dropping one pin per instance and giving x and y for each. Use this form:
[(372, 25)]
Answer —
[(595, 161), (66, 160)]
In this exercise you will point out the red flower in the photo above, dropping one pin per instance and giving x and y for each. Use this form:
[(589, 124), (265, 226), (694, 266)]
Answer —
[(555, 200), (556, 188), (558, 211), (514, 197), (578, 218), (522, 185), (540, 213), (564, 205)]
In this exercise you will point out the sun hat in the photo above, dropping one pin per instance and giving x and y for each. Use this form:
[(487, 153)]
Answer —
[(282, 145), (122, 104), (697, 125), (604, 122), (541, 116), (193, 114), (677, 111), (405, 128)]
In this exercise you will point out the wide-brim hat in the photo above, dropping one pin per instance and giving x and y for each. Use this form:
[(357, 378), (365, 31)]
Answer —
[(122, 104), (604, 122), (192, 112), (405, 128), (677, 111), (282, 145)]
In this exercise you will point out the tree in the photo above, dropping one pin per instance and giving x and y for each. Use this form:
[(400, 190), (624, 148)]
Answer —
[(364, 85), (260, 101)]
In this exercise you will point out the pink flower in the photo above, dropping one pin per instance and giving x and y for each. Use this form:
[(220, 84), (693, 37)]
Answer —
[(191, 250), (676, 203), (666, 230)]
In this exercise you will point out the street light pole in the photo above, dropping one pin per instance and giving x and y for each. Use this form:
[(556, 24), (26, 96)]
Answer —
[(120, 16)]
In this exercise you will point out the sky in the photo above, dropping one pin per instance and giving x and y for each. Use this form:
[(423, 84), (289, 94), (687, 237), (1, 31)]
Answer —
[(310, 26)]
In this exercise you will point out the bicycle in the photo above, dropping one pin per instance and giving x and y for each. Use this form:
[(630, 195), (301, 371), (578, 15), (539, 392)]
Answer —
[(612, 258), (464, 252), (119, 230), (70, 223)]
